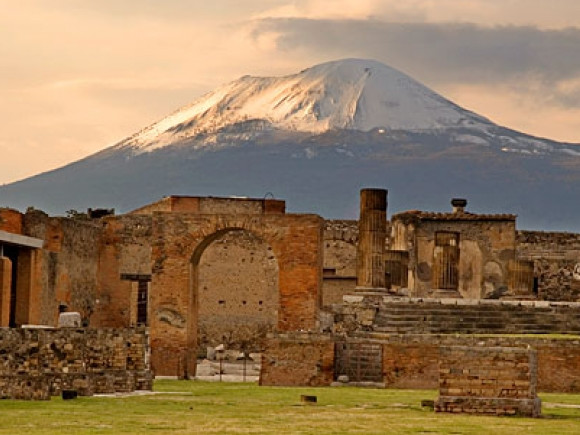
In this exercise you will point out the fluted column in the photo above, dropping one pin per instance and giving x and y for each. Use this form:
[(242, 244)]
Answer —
[(370, 266)]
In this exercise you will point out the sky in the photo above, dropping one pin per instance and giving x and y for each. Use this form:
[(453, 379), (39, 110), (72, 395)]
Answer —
[(77, 76)]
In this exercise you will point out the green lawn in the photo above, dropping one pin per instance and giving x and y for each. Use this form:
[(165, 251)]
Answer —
[(200, 407)]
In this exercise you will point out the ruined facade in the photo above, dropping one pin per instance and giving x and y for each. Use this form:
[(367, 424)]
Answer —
[(202, 271), (461, 255), (160, 267)]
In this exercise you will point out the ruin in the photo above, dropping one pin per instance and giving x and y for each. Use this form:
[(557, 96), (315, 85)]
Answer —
[(488, 380), (371, 301)]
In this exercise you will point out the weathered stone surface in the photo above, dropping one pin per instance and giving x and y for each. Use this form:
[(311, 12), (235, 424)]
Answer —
[(38, 363), (298, 360), (69, 320), (556, 259), (411, 360), (488, 380)]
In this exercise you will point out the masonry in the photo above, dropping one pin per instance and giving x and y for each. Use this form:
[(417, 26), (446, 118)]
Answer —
[(556, 262), (202, 271), (40, 363), (488, 380), (195, 270), (410, 360)]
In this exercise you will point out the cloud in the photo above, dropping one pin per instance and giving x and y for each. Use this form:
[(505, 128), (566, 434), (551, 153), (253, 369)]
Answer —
[(439, 53), (560, 13)]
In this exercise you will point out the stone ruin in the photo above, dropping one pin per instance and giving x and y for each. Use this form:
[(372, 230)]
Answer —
[(381, 336), (37, 363), (488, 380), (371, 301)]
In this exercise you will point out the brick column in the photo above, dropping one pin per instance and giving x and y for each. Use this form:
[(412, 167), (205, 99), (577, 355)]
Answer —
[(5, 285), (370, 266)]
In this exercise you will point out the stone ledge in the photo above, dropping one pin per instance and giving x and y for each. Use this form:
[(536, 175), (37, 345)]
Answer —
[(490, 406), (405, 300)]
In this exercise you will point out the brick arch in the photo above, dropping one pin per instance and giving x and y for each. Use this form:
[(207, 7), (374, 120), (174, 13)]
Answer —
[(178, 243)]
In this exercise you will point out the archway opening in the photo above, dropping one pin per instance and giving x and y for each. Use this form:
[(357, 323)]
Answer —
[(236, 291)]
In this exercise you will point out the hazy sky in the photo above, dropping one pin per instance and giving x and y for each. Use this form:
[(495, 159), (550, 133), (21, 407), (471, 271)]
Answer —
[(79, 75)]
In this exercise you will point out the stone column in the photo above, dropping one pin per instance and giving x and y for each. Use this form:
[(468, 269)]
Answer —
[(372, 227), (5, 286)]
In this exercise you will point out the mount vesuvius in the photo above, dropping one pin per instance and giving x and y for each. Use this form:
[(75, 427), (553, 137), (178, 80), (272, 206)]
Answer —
[(315, 138)]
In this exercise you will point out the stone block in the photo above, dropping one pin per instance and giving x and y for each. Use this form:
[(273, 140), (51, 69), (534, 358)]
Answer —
[(69, 320)]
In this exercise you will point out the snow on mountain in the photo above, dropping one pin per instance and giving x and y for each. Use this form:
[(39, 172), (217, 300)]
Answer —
[(351, 94)]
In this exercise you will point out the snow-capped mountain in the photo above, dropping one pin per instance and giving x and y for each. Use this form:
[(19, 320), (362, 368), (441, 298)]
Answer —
[(349, 94), (316, 137)]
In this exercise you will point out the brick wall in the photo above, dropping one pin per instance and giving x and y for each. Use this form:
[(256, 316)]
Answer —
[(298, 360), (10, 220), (65, 271), (179, 242), (38, 363), (488, 380), (124, 249), (238, 292), (411, 360)]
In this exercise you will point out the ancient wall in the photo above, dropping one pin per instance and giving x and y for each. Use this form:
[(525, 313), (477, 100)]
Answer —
[(211, 205), (124, 259), (408, 364), (486, 248), (412, 360), (10, 220), (488, 380), (65, 270), (38, 363), (298, 360), (238, 292), (179, 241), (339, 278), (556, 258)]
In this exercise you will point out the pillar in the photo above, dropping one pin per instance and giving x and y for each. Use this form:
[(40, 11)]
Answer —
[(372, 226), (5, 286)]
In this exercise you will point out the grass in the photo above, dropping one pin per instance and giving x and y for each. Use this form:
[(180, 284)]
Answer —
[(203, 407)]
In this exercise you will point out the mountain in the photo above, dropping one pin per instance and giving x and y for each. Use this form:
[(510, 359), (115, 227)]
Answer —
[(315, 138)]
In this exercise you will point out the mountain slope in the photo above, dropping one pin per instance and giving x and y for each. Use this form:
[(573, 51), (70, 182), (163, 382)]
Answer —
[(315, 138)]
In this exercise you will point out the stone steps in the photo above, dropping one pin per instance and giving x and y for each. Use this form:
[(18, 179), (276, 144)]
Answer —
[(481, 318)]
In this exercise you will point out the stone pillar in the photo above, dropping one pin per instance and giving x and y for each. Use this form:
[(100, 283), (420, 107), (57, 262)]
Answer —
[(5, 286), (372, 227)]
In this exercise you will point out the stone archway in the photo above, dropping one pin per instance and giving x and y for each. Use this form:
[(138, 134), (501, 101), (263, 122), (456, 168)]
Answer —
[(179, 241), (235, 283)]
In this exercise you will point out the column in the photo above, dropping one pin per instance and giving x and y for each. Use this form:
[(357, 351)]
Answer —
[(371, 243)]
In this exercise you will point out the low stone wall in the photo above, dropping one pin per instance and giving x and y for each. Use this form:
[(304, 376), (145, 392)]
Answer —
[(411, 360), (38, 363), (298, 359), (488, 380)]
